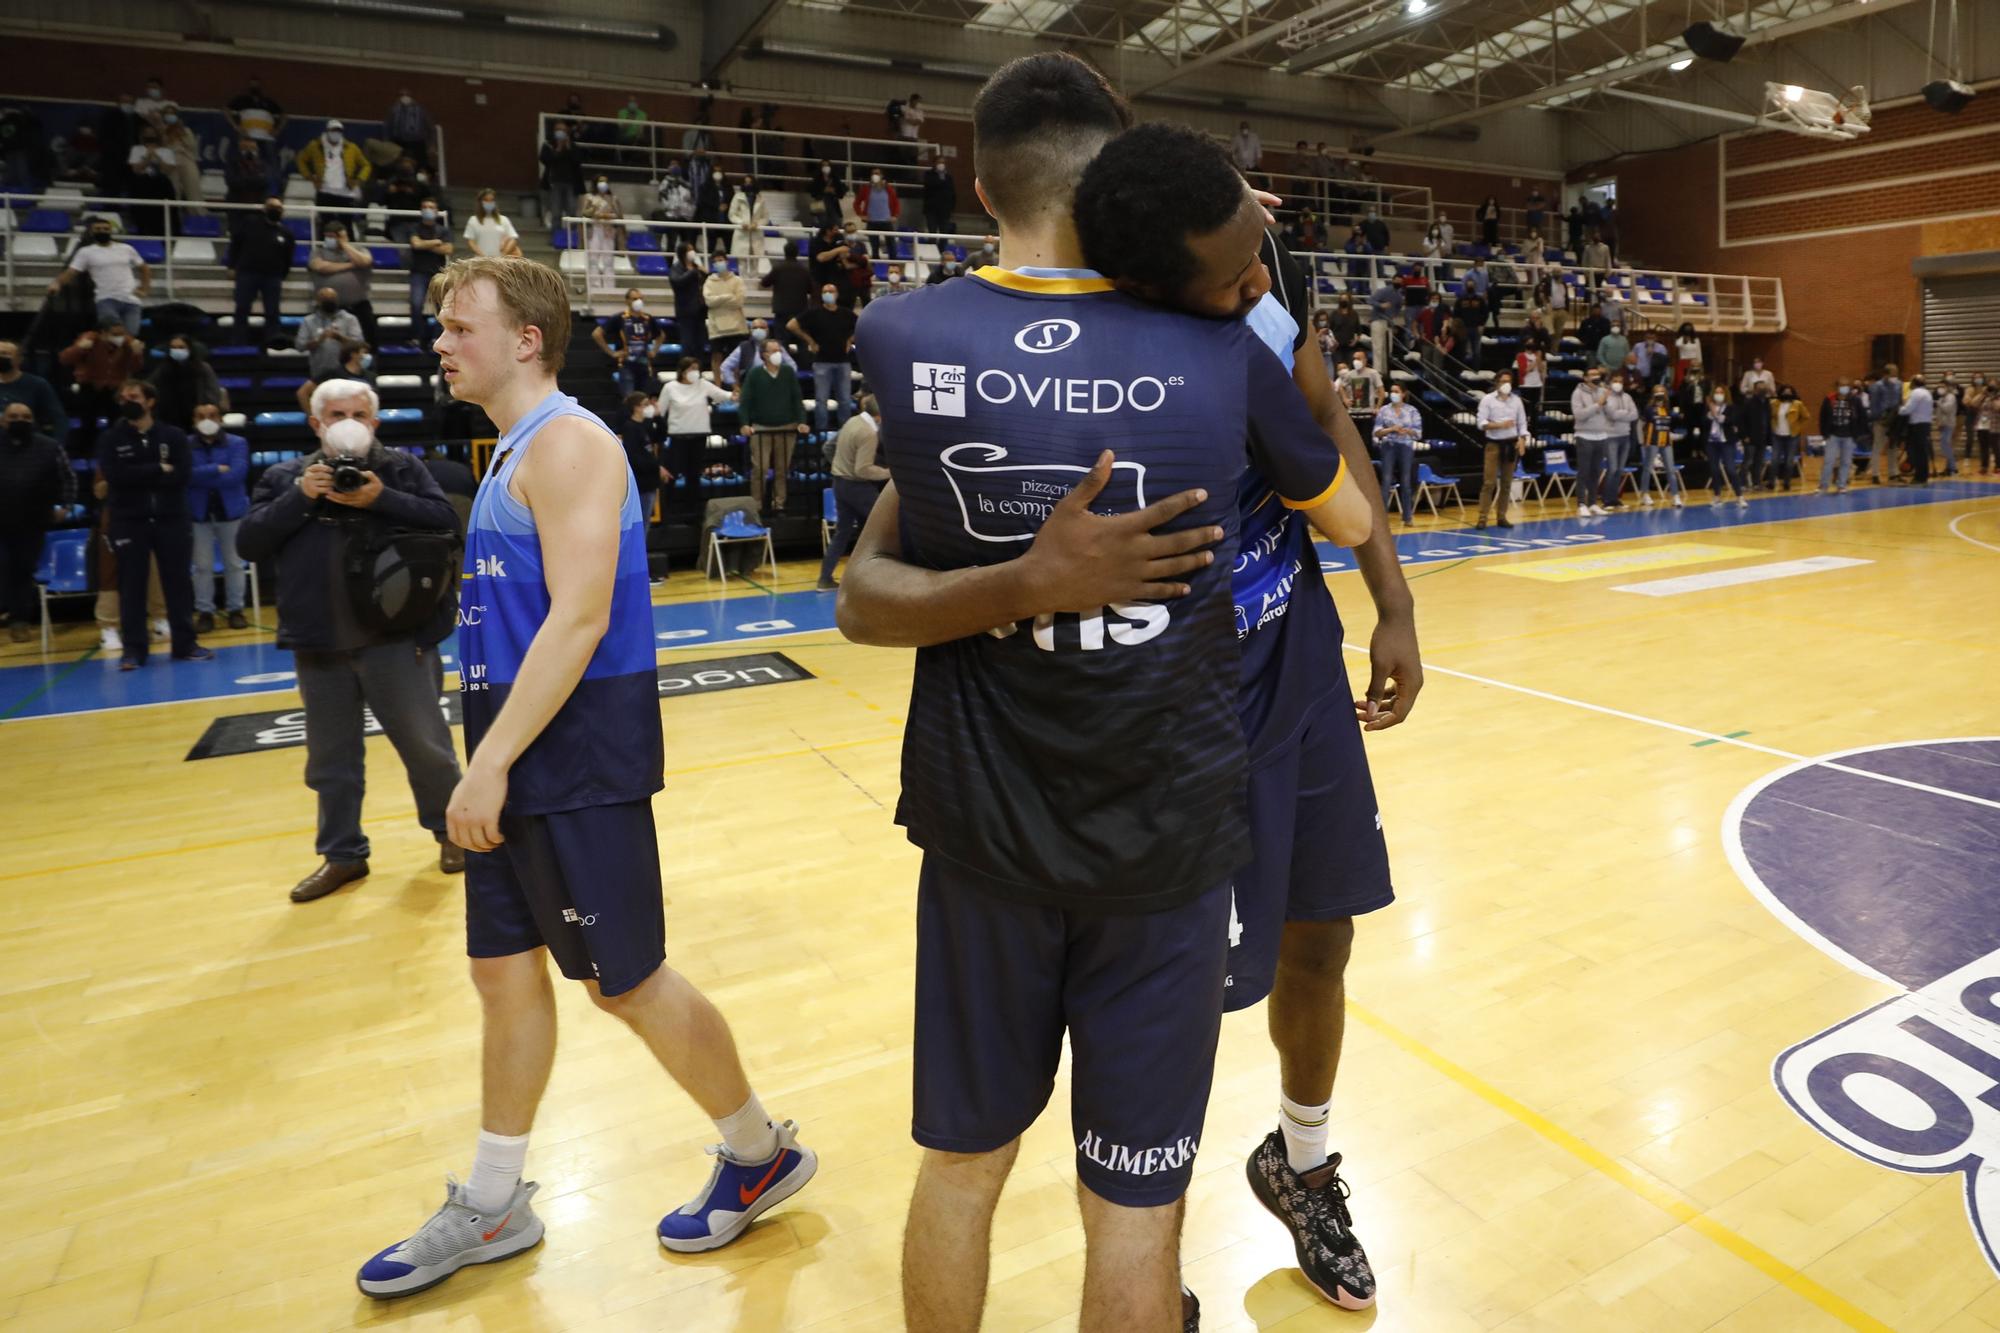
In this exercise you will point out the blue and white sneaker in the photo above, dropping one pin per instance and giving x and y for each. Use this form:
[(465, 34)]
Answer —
[(737, 1194), (455, 1236)]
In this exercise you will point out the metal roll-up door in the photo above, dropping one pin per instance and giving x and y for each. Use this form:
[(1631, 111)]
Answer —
[(1962, 323)]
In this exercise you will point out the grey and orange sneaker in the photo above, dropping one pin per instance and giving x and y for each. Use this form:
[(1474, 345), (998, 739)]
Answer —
[(455, 1236)]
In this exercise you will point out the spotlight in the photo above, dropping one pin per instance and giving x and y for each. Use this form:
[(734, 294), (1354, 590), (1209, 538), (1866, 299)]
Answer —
[(1681, 64), (1417, 6), (1712, 43), (1793, 92), (1948, 95)]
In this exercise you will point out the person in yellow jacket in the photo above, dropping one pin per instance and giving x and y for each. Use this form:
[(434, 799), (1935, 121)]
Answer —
[(1788, 438), (336, 168)]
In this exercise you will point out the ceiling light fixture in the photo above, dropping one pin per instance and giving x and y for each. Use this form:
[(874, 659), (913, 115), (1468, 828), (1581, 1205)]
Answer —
[(1681, 64)]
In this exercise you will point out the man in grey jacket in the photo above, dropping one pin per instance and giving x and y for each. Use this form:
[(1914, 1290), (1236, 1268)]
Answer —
[(1603, 411)]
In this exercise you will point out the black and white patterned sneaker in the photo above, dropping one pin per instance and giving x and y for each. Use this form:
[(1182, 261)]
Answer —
[(1313, 1207)]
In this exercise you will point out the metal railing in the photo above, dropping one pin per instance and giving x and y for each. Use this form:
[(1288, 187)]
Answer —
[(1339, 198), (1712, 302), (655, 143), (26, 275)]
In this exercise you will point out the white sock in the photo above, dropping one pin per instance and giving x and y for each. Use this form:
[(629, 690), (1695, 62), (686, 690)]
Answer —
[(1304, 1128), (748, 1133), (496, 1170)]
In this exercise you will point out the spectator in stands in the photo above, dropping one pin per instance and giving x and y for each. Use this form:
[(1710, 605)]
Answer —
[(1596, 259), (1650, 358), (1687, 353), (35, 477), (218, 495), (1592, 330), (1551, 301), (1360, 383), (155, 100), (121, 278), (1986, 422), (1573, 226), (490, 232), (1614, 349), (723, 295), (686, 276), (944, 270), (1345, 325), (562, 174), (1918, 412), (707, 190), (1607, 227), (749, 215), (940, 197), (430, 250), (326, 335), (147, 465), (602, 237), (336, 168), (357, 363), (1531, 370), (895, 280), (260, 258), (1248, 150), (100, 361), (825, 192), (246, 177), (697, 134), (857, 483), (689, 401), (1843, 420), (828, 333), (1754, 433), (1323, 342), (774, 414), (117, 131), (857, 267), (677, 202), (149, 180), (1473, 312), (182, 165), (1600, 411), (184, 380), (631, 130), (791, 286), (1885, 405), (1537, 205), (639, 433), (1788, 431), (638, 340), (1385, 311), (1398, 427), (1755, 376), (1433, 246), (256, 116), (408, 126), (1489, 222), (346, 270), (300, 519), (1376, 232), (403, 187), (743, 359), (1504, 424), (1477, 279), (1656, 449), (877, 204), (1624, 411), (1946, 411), (19, 386), (1722, 438)]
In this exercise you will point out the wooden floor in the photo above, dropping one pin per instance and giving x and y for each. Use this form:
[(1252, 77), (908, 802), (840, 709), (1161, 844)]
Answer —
[(1556, 1105)]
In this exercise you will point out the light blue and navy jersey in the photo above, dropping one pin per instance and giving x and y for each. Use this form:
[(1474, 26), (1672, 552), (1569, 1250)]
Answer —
[(1285, 617), (603, 746), (1094, 760)]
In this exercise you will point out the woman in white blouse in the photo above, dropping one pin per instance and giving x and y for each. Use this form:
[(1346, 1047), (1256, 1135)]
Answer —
[(489, 231)]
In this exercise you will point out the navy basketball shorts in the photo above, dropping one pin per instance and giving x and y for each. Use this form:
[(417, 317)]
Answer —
[(998, 984), (1317, 847), (586, 883)]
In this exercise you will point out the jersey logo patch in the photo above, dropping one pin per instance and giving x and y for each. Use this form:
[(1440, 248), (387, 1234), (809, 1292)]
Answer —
[(1006, 502), (1048, 335), (938, 390)]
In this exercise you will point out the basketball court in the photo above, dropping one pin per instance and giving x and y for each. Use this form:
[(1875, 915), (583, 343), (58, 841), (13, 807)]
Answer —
[(1557, 1103)]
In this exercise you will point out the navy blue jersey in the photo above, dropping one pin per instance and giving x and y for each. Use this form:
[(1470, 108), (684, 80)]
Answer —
[(1285, 616), (1090, 761), (604, 744)]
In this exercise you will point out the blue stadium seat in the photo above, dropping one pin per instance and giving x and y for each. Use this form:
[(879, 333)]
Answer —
[(267, 420), (653, 266), (153, 252), (562, 239), (289, 383), (300, 227), (50, 220), (387, 256), (201, 226), (401, 416), (302, 254), (643, 240), (235, 383)]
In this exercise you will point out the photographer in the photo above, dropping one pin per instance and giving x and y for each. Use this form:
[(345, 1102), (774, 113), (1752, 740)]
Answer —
[(367, 552)]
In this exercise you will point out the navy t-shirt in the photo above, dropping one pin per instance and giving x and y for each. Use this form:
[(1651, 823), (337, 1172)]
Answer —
[(1092, 761)]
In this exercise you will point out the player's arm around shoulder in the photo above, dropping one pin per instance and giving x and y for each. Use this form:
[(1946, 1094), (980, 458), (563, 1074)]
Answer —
[(1302, 463), (574, 482)]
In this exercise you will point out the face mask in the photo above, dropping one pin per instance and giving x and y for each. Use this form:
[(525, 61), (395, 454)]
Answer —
[(757, 335), (346, 438), (690, 376), (895, 279), (406, 99), (604, 187), (209, 427), (367, 360), (178, 353), (126, 107), (773, 360), (875, 179), (638, 306), (1719, 400), (1396, 396), (131, 411), (100, 238), (562, 136), (21, 431), (951, 266), (331, 242), (117, 340), (827, 299), (1845, 390), (333, 138), (1357, 365), (430, 215), (152, 90), (328, 307), (1506, 389), (488, 206), (718, 267), (171, 119)]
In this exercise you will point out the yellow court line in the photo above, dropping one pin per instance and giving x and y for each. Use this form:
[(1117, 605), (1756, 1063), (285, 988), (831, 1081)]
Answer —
[(71, 867), (1660, 1196)]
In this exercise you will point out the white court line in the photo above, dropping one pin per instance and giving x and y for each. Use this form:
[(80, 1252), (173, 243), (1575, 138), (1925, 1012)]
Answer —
[(1974, 540), (1682, 584), (1737, 741)]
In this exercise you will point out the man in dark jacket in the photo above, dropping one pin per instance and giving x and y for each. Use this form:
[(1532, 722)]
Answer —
[(35, 477), (791, 286), (260, 257), (146, 464), (1754, 423), (1843, 421), (940, 197), (300, 518)]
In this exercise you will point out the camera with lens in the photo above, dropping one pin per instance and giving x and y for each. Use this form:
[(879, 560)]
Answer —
[(347, 477)]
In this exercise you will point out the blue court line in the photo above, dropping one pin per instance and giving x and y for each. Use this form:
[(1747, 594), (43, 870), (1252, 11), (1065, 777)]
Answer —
[(56, 687)]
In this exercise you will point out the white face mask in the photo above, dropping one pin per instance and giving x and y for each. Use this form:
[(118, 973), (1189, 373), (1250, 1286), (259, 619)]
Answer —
[(488, 206), (178, 353), (774, 359), (1505, 390), (1357, 365), (117, 340), (875, 179), (649, 411), (347, 438), (1396, 396), (333, 137), (638, 307), (1845, 390), (690, 376), (604, 187), (827, 299), (208, 426)]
